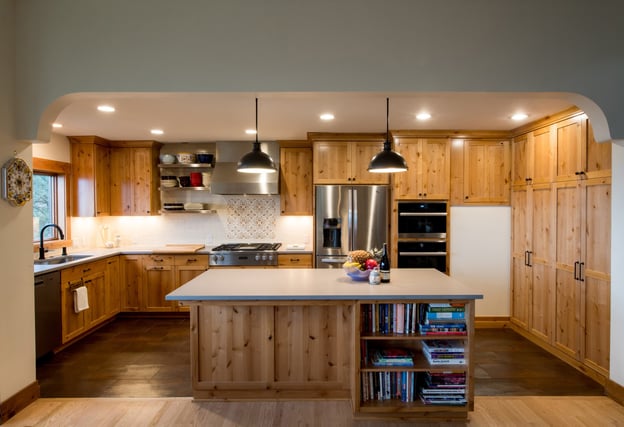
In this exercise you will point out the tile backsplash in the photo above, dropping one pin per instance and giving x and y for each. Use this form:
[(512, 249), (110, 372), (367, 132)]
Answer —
[(237, 219), (251, 217)]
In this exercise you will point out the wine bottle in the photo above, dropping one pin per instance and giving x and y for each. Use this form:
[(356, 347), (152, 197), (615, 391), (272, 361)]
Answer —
[(384, 265)]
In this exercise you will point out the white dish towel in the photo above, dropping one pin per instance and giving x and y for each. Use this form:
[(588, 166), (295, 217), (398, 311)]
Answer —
[(81, 299)]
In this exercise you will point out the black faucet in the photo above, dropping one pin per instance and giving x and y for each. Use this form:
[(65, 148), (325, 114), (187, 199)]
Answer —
[(41, 248)]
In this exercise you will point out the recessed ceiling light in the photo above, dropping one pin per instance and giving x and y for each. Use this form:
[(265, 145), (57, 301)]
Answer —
[(423, 116), (57, 125), (106, 108), (327, 116), (250, 131), (156, 131), (519, 116)]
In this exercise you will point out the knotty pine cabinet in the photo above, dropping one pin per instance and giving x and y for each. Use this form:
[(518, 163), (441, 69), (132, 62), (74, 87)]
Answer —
[(93, 275), (90, 179), (294, 260), (149, 278), (344, 159), (428, 175), (257, 351), (295, 179), (561, 218)]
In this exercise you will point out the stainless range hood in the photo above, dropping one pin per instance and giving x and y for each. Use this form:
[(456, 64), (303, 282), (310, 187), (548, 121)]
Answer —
[(225, 178)]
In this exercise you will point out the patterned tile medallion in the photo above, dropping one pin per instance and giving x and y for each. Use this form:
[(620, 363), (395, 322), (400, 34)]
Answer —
[(251, 217)]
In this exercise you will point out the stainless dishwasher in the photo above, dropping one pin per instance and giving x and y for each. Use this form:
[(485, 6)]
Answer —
[(47, 312)]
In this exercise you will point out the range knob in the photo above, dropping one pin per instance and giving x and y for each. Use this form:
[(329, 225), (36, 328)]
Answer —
[(270, 257), (257, 257), (264, 257)]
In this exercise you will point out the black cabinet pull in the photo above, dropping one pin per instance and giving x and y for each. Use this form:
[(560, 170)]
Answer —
[(581, 274), (576, 265), (530, 264), (526, 258)]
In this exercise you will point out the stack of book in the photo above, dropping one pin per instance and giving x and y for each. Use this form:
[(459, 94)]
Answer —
[(390, 318), (388, 385), (392, 357), (444, 352), (443, 319), (440, 388)]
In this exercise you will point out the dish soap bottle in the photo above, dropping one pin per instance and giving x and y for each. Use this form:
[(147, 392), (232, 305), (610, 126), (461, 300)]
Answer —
[(384, 265)]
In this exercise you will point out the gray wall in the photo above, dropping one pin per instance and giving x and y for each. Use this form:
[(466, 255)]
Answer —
[(69, 46)]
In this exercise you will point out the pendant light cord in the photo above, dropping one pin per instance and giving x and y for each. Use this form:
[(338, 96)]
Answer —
[(256, 120), (387, 142)]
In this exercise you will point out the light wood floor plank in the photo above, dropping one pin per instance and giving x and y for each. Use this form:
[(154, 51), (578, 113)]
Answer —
[(489, 411)]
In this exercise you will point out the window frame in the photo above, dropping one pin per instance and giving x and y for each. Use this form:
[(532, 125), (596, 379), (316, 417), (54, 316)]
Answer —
[(62, 173)]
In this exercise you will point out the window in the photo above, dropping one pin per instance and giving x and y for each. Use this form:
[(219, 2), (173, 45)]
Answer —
[(50, 192)]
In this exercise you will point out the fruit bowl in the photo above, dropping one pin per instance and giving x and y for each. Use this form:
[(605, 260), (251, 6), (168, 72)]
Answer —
[(356, 274)]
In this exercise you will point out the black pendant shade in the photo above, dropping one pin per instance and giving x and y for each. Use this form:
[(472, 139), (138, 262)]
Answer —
[(256, 161), (387, 161)]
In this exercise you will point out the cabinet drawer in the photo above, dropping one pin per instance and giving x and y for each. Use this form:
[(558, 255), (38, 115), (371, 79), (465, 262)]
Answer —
[(151, 260), (199, 260), (294, 260), (82, 270)]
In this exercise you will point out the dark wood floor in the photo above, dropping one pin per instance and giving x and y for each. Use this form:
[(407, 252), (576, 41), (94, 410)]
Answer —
[(150, 357)]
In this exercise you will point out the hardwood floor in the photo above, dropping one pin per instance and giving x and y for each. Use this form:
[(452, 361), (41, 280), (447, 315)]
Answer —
[(136, 371), (489, 411), (149, 357)]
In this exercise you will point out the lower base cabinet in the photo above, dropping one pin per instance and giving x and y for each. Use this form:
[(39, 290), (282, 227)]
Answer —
[(96, 277), (147, 279), (329, 349)]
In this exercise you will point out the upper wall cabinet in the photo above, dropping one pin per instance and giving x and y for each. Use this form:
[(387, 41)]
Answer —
[(134, 181), (90, 182), (428, 174), (344, 158), (113, 177), (295, 178), (559, 151), (480, 172)]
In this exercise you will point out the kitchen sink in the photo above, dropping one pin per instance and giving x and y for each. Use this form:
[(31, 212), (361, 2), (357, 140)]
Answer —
[(61, 259)]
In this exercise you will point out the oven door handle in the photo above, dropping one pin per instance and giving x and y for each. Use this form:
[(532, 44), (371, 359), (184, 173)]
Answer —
[(334, 260), (422, 253), (422, 214)]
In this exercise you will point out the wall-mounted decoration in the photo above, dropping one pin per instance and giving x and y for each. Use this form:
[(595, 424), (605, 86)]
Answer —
[(16, 182), (251, 217)]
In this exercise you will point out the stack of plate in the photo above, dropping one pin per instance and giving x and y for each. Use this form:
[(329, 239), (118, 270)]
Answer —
[(193, 206), (168, 181)]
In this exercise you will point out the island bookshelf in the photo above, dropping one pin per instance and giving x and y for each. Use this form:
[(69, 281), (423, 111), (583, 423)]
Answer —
[(395, 400)]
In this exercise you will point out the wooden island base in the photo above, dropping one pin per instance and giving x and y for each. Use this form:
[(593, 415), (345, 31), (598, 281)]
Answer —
[(310, 337)]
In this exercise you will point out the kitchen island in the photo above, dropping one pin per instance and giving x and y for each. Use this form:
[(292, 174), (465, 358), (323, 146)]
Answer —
[(303, 334)]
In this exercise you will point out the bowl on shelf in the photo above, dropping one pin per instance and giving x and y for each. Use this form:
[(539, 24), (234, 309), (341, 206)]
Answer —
[(167, 159), (204, 157), (356, 274), (186, 158)]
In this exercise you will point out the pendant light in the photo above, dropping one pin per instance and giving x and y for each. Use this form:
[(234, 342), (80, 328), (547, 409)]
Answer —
[(256, 161), (387, 161)]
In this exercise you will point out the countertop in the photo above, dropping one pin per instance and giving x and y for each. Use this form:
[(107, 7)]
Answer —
[(99, 253), (317, 284)]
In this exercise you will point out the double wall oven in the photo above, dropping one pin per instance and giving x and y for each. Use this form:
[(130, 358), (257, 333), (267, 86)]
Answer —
[(421, 230)]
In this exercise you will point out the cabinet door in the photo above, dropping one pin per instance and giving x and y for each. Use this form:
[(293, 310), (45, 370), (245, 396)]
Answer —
[(436, 176), (121, 181), (570, 149), (598, 155), (568, 255), (113, 286), (332, 162), (296, 180), (520, 160), (90, 179), (521, 284), (408, 185), (73, 324), (132, 282), (158, 282), (542, 261), (542, 156), (144, 189), (486, 172), (96, 287), (596, 272), (362, 153)]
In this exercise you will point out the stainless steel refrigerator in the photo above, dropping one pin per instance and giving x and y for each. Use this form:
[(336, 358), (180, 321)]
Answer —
[(349, 217)]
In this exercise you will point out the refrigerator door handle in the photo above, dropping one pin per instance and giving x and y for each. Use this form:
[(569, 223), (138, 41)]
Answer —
[(352, 221)]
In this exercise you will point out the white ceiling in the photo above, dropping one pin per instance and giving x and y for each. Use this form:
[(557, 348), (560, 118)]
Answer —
[(202, 117)]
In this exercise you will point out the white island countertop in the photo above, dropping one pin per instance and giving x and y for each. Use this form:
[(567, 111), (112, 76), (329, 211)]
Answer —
[(224, 284)]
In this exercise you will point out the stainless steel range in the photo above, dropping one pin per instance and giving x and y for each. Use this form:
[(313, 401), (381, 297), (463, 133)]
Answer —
[(244, 254)]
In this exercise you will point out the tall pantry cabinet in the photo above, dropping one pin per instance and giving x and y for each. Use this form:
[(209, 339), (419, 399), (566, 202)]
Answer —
[(561, 204)]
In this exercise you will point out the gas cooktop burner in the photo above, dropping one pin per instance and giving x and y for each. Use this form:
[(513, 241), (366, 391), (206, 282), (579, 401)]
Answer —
[(244, 254), (247, 247)]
